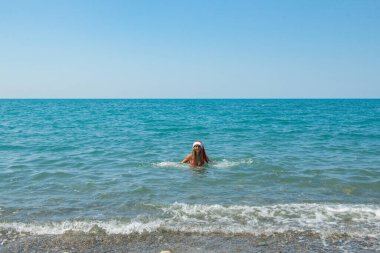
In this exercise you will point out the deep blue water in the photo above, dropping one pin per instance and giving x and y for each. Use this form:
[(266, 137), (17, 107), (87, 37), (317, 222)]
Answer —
[(276, 165)]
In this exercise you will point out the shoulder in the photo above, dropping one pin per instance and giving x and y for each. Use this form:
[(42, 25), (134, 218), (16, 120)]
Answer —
[(187, 158)]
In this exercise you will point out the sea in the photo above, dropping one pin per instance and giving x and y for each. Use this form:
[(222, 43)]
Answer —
[(105, 175)]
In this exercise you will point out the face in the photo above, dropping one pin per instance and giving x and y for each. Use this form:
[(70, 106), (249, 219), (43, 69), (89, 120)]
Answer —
[(197, 148)]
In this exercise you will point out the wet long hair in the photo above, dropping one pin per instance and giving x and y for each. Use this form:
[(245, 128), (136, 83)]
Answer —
[(198, 159)]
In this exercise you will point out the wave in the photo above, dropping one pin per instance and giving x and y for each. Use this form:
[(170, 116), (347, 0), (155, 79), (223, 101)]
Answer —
[(326, 219), (223, 163), (169, 165)]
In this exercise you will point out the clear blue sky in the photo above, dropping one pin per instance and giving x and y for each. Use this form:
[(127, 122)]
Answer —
[(190, 49)]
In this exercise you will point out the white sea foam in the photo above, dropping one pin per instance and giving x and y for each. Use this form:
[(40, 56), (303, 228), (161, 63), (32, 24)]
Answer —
[(278, 218), (354, 220), (169, 165), (111, 227), (225, 163)]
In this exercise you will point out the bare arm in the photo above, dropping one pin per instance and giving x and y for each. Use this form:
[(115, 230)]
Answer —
[(187, 158)]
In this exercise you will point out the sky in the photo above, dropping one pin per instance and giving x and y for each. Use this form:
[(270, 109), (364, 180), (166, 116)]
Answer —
[(189, 49)]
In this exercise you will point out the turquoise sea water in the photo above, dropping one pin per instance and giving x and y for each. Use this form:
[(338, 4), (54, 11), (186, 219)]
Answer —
[(277, 165)]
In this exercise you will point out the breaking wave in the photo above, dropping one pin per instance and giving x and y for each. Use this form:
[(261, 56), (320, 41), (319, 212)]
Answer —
[(354, 220)]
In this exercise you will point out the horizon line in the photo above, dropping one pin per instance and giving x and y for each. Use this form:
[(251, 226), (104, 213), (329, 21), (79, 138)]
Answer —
[(225, 98)]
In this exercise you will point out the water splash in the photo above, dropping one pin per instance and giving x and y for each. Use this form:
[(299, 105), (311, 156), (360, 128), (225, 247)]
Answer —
[(225, 163), (168, 164)]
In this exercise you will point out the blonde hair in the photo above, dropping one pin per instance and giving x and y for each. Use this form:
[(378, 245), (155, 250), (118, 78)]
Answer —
[(197, 158)]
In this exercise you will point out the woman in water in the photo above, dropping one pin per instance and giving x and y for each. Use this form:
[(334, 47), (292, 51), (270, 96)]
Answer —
[(198, 156)]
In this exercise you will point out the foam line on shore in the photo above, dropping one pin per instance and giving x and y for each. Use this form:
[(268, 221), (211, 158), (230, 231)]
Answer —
[(355, 220)]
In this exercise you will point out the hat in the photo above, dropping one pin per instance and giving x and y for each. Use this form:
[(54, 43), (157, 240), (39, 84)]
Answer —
[(198, 143)]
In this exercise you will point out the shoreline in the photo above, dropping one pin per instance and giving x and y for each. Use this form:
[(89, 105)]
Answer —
[(97, 240)]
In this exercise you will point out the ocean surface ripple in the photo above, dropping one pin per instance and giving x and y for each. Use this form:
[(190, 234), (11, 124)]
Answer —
[(276, 165)]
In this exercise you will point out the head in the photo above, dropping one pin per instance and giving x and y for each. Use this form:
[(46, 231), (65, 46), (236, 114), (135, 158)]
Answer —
[(199, 153), (197, 147)]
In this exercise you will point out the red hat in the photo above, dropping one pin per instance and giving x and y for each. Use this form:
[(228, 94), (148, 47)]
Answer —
[(200, 143)]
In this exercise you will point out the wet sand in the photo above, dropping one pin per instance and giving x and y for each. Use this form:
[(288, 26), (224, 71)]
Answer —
[(96, 240)]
